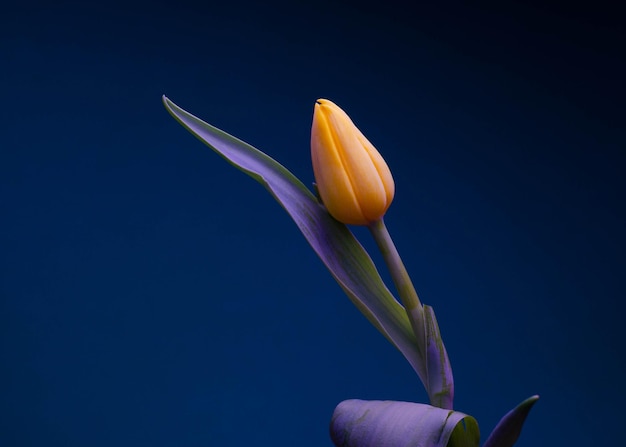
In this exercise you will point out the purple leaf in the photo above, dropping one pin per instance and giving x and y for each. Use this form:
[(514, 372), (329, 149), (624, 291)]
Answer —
[(510, 426), (360, 423), (342, 254), (440, 380)]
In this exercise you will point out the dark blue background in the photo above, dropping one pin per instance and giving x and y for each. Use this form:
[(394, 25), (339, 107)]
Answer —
[(150, 294)]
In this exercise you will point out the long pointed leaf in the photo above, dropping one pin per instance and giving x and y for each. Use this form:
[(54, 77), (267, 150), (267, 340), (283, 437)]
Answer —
[(346, 259), (510, 426), (440, 379), (360, 423)]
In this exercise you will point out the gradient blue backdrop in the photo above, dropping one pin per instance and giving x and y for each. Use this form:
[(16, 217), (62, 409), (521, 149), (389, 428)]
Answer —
[(152, 295)]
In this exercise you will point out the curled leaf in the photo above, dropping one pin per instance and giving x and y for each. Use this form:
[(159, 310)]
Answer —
[(360, 423)]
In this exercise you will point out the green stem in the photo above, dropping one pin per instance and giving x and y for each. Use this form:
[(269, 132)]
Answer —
[(402, 281)]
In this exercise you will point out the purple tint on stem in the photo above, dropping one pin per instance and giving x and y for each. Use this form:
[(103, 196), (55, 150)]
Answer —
[(439, 381)]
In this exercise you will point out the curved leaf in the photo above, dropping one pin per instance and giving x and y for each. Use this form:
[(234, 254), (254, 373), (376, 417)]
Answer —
[(360, 423), (510, 426), (346, 259), (440, 380)]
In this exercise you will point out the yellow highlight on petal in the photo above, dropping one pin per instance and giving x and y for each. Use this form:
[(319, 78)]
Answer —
[(353, 180)]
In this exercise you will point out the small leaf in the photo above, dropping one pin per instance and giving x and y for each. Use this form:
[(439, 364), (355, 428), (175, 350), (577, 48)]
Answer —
[(342, 254), (510, 426), (360, 423), (440, 380)]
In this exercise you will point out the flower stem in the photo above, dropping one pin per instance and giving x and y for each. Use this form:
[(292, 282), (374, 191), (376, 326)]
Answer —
[(402, 281)]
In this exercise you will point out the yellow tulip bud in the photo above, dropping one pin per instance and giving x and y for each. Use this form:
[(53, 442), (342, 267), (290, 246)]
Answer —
[(352, 178)]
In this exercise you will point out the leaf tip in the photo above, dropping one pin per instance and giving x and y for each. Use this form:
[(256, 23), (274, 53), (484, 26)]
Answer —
[(507, 431)]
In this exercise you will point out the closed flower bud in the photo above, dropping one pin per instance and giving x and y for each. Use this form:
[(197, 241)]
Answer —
[(352, 178)]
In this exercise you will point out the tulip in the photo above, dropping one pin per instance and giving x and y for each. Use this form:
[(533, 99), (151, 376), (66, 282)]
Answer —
[(353, 180)]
